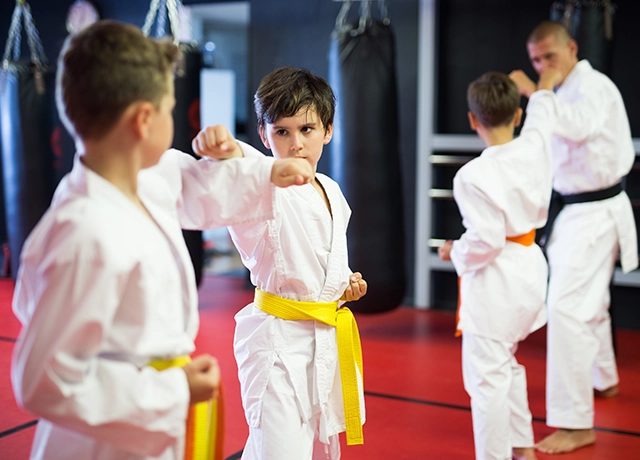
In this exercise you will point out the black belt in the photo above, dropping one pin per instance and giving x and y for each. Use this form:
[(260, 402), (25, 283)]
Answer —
[(558, 202)]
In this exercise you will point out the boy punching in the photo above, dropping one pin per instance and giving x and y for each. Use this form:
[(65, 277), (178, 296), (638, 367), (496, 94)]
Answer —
[(297, 348)]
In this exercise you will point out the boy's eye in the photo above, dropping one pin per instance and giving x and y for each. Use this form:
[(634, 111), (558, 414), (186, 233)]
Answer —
[(306, 129), (281, 132)]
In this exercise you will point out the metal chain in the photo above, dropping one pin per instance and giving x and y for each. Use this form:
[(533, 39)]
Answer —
[(151, 15), (38, 57), (341, 19), (174, 20), (14, 34), (161, 22), (163, 9), (35, 44)]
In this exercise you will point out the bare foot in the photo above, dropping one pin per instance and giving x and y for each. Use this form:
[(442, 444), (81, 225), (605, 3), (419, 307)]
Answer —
[(564, 440), (608, 393), (524, 453)]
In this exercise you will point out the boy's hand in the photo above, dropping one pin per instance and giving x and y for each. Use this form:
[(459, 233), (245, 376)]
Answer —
[(523, 82), (549, 79), (216, 142), (203, 376), (291, 171), (444, 251), (356, 289)]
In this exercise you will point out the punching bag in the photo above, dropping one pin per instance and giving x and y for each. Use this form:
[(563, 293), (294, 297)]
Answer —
[(186, 114), (186, 120), (27, 117), (590, 23), (365, 155)]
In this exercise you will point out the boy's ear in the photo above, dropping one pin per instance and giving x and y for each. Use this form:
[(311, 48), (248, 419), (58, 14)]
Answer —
[(263, 138), (517, 118), (328, 134), (473, 120), (142, 119)]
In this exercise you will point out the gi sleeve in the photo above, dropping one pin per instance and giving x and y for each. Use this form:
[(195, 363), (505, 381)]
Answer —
[(210, 193), (542, 116), (484, 222), (58, 373)]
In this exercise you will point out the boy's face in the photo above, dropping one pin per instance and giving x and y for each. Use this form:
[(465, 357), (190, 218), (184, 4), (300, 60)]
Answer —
[(551, 53), (301, 135), (161, 130)]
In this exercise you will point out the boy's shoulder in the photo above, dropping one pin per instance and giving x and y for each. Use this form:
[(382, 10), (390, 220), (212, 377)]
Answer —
[(77, 226)]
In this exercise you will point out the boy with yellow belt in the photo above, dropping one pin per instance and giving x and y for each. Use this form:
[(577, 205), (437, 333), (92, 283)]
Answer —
[(297, 350), (503, 196)]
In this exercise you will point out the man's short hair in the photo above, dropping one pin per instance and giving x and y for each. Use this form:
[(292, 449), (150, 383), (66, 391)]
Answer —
[(494, 99), (104, 69), (547, 28), (286, 91)]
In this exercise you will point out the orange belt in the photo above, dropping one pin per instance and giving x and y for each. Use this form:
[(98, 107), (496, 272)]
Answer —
[(526, 239), (205, 422)]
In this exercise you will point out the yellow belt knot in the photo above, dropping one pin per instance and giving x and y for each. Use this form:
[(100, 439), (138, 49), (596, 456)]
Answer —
[(205, 422), (349, 347)]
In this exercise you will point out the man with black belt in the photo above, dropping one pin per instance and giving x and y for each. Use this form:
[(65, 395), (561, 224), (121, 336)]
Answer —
[(592, 152)]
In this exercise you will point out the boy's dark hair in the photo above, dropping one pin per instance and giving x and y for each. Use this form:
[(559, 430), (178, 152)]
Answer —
[(104, 69), (547, 28), (286, 91), (494, 99)]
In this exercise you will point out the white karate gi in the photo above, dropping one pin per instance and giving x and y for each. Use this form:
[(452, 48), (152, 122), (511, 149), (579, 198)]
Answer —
[(592, 150), (102, 290), (288, 370), (504, 192)]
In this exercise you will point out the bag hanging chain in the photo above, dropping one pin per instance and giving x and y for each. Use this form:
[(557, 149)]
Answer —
[(162, 8), (13, 46), (365, 15)]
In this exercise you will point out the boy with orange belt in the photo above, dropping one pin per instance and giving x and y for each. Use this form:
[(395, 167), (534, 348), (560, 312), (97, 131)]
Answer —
[(503, 196)]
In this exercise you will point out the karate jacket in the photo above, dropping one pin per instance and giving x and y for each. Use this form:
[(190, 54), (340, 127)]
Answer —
[(505, 192), (102, 290)]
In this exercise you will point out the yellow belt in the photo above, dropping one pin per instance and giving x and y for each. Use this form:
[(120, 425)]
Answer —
[(349, 348), (526, 239), (205, 422)]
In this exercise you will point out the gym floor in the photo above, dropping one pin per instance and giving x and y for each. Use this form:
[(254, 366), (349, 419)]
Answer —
[(416, 405)]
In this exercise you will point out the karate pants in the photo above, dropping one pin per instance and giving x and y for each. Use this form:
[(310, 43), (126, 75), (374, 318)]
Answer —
[(582, 253), (497, 385), (282, 434)]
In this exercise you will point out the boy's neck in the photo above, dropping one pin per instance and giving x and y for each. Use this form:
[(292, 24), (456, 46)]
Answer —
[(496, 136), (114, 164)]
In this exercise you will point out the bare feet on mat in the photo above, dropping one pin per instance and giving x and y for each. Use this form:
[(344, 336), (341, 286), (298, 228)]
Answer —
[(524, 453), (608, 393), (563, 441)]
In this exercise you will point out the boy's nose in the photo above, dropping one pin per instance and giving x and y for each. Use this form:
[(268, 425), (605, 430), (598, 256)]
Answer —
[(296, 144)]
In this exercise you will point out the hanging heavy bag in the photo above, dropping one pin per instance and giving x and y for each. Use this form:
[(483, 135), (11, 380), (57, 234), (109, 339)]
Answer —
[(590, 23), (365, 158), (186, 116), (28, 117), (186, 113)]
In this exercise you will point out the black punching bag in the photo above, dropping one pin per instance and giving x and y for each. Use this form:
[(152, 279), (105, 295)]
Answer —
[(590, 23), (27, 117), (186, 114), (186, 118), (365, 157)]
